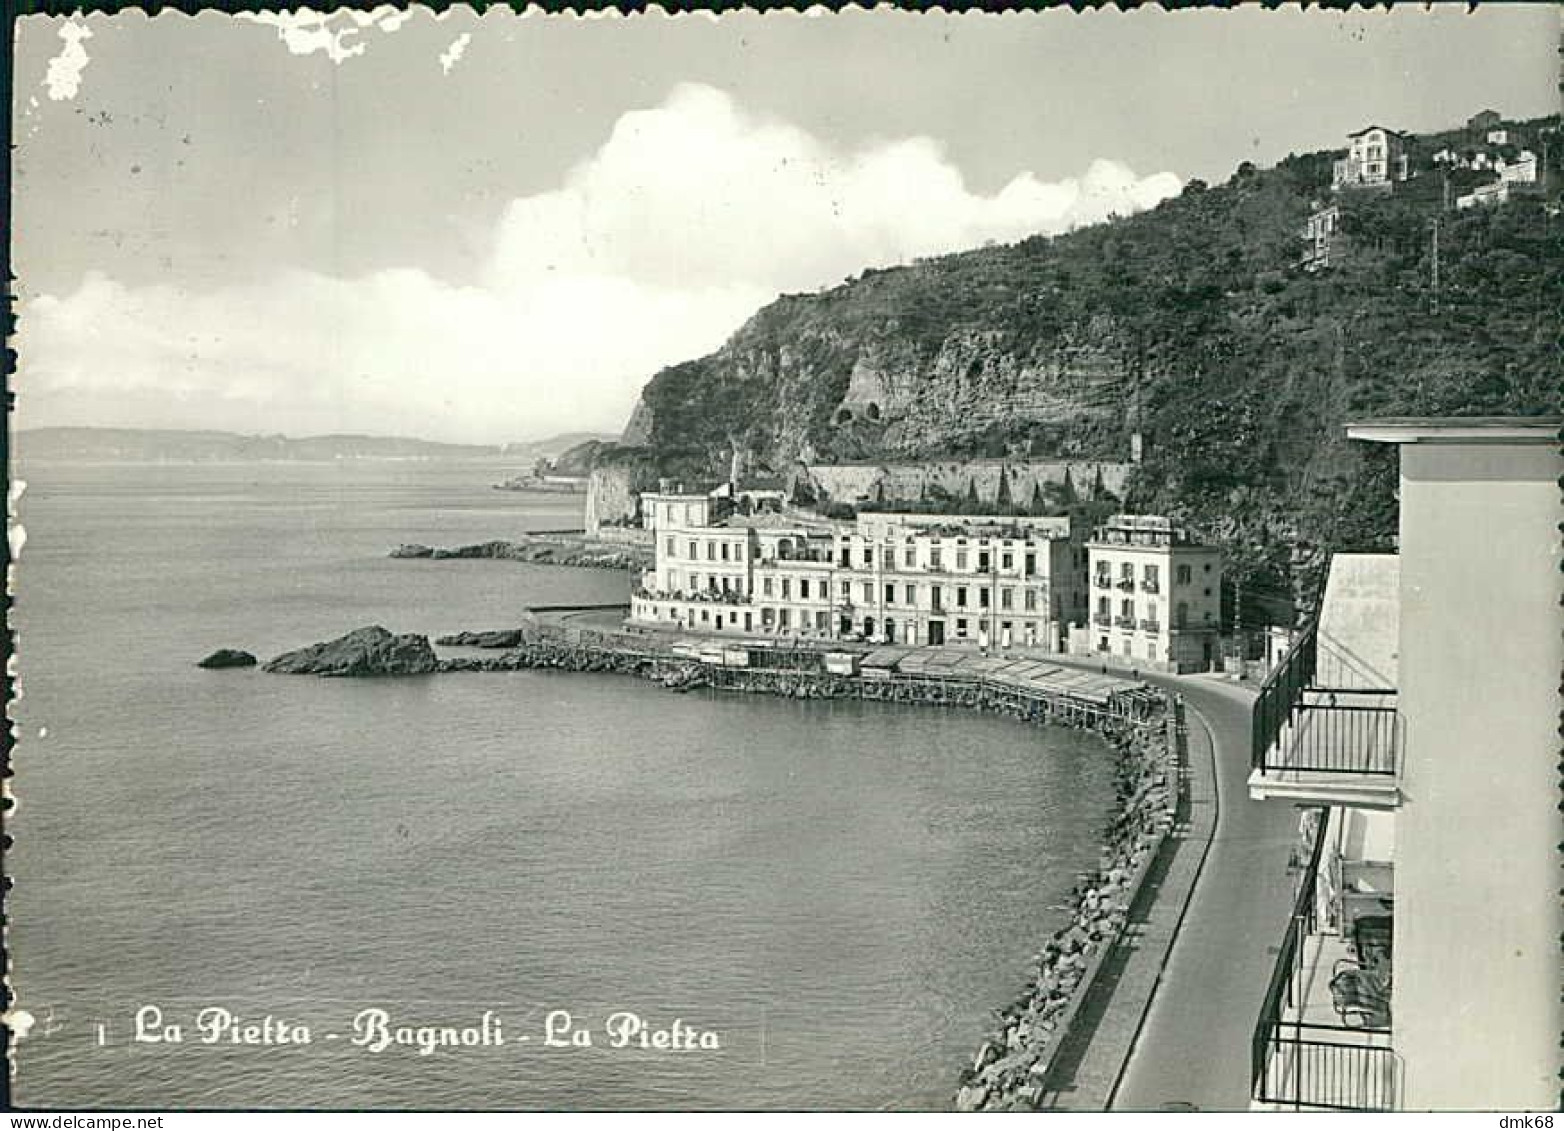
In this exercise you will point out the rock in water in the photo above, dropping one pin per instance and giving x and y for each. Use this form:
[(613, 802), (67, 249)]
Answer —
[(363, 652), (412, 550), (227, 658)]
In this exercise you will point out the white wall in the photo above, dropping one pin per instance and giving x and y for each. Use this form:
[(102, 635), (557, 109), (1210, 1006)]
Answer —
[(1478, 916)]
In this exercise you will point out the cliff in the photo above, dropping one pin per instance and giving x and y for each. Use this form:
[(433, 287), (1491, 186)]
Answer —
[(1196, 327)]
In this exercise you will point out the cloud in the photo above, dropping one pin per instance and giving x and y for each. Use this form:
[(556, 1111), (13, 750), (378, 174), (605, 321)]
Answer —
[(453, 54), (688, 218), (63, 77), (337, 33)]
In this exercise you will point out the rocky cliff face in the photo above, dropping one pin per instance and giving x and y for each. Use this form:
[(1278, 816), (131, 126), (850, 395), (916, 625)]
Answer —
[(363, 652), (1195, 328)]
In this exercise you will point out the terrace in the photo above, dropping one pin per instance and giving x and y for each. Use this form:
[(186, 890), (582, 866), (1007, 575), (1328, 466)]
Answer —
[(1323, 1040), (1320, 737)]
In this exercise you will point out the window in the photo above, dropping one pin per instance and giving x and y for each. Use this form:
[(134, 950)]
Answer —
[(961, 559), (961, 626), (1007, 560), (982, 562), (1007, 598), (765, 586), (738, 552), (1181, 615), (911, 593), (711, 552), (693, 554), (1031, 563), (868, 593), (868, 555), (934, 562), (1127, 571), (1102, 644), (822, 621), (961, 596), (803, 589), (1183, 575), (787, 588), (1102, 606), (1127, 609), (890, 557), (825, 590), (982, 596), (672, 552), (782, 618), (1030, 599), (1152, 578), (890, 594)]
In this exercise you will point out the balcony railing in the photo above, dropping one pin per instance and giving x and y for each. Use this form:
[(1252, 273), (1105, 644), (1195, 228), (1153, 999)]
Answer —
[(1299, 1064), (1299, 727), (1103, 581), (1150, 587), (1152, 626), (1102, 618), (1127, 584), (1124, 622)]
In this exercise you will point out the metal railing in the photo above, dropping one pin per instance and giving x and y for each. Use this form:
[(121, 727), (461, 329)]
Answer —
[(1150, 587), (1347, 730), (1305, 1065), (1151, 626), (1102, 618), (1102, 581)]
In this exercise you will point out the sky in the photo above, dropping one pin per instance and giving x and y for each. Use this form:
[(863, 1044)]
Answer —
[(496, 229)]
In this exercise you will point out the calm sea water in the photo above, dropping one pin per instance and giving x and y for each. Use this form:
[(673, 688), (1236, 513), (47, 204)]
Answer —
[(842, 892)]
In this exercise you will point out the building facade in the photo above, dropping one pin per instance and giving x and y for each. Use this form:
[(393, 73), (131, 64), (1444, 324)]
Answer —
[(1376, 158), (1416, 722), (893, 578), (1155, 595)]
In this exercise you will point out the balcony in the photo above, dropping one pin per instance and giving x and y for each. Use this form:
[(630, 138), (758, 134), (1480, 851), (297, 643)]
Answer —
[(1124, 622), (1103, 581), (1151, 626), (1322, 745), (1125, 583), (1150, 587), (1323, 1041), (1102, 619)]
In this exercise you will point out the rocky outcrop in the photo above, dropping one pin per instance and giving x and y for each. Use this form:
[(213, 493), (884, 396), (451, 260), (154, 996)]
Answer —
[(499, 638), (228, 658), (371, 651), (539, 550)]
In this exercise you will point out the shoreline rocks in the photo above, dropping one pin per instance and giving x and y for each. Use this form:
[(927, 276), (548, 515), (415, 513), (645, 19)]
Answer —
[(536, 550), (228, 658), (498, 638), (371, 651)]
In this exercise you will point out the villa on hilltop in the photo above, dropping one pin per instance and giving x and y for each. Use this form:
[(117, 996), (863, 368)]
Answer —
[(1376, 158)]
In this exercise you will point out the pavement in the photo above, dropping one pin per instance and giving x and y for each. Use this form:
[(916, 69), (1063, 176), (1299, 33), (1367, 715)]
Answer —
[(1192, 1049)]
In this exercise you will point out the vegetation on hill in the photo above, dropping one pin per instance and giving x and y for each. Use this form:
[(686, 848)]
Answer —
[(1193, 324)]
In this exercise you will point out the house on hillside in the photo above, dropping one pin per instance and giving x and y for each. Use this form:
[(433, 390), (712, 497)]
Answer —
[(1319, 235), (1497, 137), (1489, 192), (1484, 120), (1522, 170), (1376, 158)]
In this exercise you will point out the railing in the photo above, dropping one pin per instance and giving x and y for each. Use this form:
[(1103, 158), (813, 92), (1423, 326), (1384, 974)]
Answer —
[(1152, 626), (1102, 618), (1347, 730), (1305, 1065), (1127, 584), (1150, 587), (1102, 581), (1124, 622)]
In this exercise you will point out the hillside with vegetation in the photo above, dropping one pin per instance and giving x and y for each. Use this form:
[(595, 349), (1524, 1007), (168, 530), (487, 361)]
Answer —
[(1194, 325)]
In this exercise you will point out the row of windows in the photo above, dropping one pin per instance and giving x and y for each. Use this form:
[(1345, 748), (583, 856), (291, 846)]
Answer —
[(729, 551), (1151, 574), (963, 560)]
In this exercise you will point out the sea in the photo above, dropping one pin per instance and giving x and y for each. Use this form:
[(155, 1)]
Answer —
[(532, 891)]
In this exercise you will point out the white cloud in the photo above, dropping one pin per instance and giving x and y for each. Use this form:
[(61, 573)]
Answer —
[(337, 33), (63, 77), (688, 218), (453, 54)]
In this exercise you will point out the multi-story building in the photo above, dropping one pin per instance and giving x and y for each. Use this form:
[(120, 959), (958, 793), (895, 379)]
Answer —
[(896, 578), (1376, 158), (1319, 235), (1156, 594), (984, 579), (1415, 721)]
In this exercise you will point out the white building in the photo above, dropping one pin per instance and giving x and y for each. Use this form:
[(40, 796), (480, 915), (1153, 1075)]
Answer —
[(1156, 594), (1376, 158), (1417, 720)]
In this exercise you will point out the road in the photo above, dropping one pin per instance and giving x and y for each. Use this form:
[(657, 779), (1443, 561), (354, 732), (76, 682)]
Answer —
[(1192, 1051)]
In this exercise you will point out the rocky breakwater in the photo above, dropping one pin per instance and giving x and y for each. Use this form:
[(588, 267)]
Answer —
[(1010, 1070), (538, 550), (371, 651)]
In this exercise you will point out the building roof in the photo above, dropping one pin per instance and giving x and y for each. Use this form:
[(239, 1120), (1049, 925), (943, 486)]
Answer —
[(1366, 129), (1458, 429)]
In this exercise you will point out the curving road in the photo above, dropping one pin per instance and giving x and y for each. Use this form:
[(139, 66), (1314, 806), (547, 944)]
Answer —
[(1192, 1049)]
